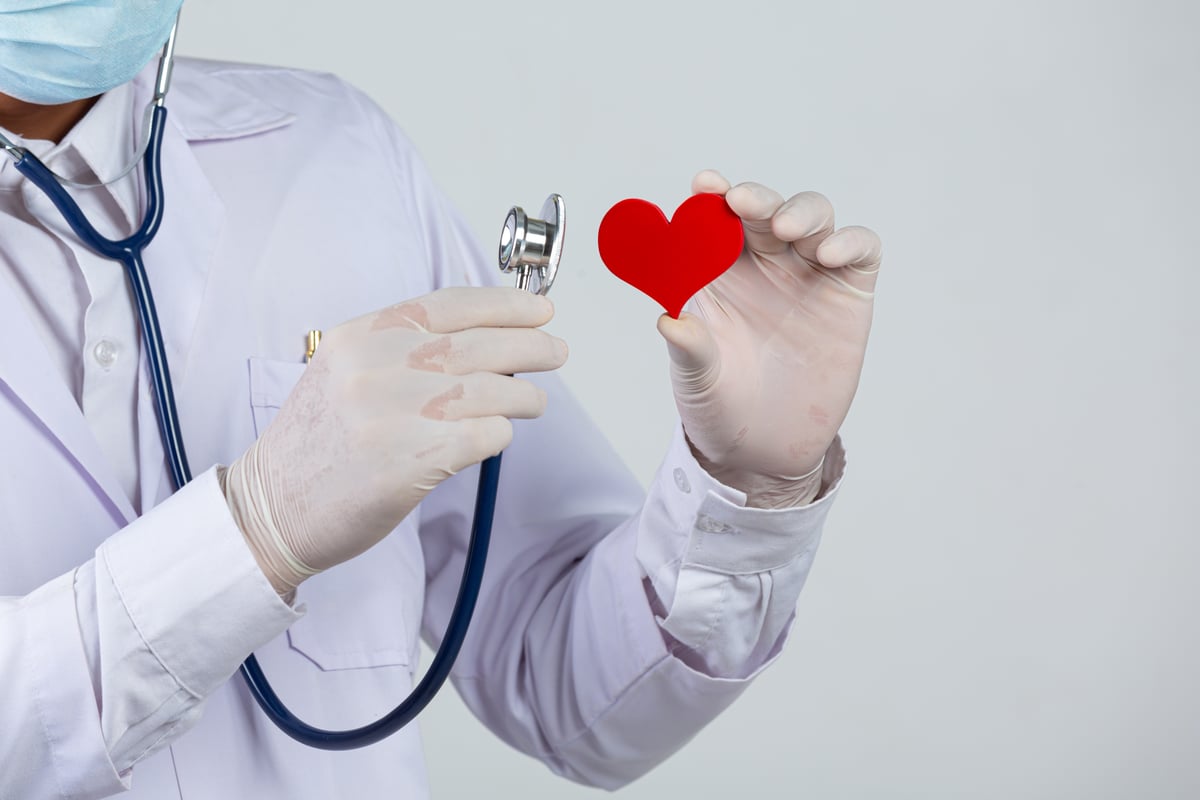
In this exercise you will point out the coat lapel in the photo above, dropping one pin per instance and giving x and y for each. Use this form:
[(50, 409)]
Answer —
[(31, 383), (202, 107), (179, 261)]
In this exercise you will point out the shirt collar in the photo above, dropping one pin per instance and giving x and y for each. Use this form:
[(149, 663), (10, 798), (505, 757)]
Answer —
[(99, 146)]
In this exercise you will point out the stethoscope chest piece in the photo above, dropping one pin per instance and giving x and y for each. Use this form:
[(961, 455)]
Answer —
[(531, 247)]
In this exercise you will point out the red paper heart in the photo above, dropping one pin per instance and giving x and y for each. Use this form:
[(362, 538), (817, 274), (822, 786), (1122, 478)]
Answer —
[(671, 261)]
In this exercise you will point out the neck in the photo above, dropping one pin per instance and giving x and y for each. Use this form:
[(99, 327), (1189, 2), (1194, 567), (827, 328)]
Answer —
[(42, 122)]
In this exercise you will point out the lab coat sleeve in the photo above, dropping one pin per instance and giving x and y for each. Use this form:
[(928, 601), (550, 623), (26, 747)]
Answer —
[(613, 623), (574, 656), (110, 662), (724, 579)]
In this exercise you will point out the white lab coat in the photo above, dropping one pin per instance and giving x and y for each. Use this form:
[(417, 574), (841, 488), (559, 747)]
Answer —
[(602, 637)]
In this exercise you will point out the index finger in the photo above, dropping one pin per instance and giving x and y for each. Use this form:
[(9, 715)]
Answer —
[(464, 307)]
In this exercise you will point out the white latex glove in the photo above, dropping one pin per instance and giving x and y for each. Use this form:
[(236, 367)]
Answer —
[(393, 403), (767, 362)]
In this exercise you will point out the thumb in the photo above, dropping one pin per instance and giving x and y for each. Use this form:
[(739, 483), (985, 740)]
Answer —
[(695, 357)]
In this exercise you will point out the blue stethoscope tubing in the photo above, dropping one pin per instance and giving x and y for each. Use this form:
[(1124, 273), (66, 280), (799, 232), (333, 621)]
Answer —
[(129, 252)]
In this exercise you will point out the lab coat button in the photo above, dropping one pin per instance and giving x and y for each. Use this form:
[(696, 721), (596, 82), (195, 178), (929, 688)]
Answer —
[(105, 353), (681, 481)]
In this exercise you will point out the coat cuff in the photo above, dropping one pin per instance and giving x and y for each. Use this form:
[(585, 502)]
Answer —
[(706, 524), (728, 537), (192, 589), (56, 682)]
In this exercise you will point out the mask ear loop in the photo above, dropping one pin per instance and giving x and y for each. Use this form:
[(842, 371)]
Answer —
[(162, 84)]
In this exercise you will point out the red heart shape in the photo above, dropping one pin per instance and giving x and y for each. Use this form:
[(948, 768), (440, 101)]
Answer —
[(671, 261)]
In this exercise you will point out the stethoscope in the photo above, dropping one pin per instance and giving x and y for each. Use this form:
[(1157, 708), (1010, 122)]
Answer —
[(530, 247)]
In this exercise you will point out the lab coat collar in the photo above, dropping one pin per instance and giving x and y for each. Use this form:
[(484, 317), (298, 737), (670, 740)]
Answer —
[(205, 102), (97, 149)]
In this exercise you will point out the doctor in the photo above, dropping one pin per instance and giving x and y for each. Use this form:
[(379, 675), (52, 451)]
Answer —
[(326, 526)]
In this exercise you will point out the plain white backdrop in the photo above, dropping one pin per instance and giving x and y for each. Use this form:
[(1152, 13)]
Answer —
[(1005, 601)]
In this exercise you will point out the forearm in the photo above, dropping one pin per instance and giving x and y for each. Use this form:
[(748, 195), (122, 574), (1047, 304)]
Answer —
[(567, 659), (107, 664), (724, 588), (596, 693)]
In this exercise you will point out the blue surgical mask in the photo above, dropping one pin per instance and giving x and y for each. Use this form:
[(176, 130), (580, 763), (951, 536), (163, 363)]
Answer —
[(59, 51)]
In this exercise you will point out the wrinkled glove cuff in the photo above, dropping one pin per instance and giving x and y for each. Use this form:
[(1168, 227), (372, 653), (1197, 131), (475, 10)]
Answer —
[(251, 511), (784, 492)]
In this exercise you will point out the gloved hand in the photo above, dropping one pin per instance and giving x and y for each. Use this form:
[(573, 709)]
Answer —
[(767, 361), (392, 404)]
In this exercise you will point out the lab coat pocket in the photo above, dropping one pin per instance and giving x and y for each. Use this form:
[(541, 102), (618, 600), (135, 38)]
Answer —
[(355, 614), (271, 382)]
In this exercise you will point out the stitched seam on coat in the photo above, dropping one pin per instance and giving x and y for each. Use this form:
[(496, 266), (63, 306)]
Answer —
[(715, 617), (540, 753), (749, 572), (168, 733), (651, 668), (669, 573), (41, 711), (137, 628), (626, 616), (602, 713)]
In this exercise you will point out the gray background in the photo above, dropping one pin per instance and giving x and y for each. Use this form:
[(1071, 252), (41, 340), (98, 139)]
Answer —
[(1004, 602)]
